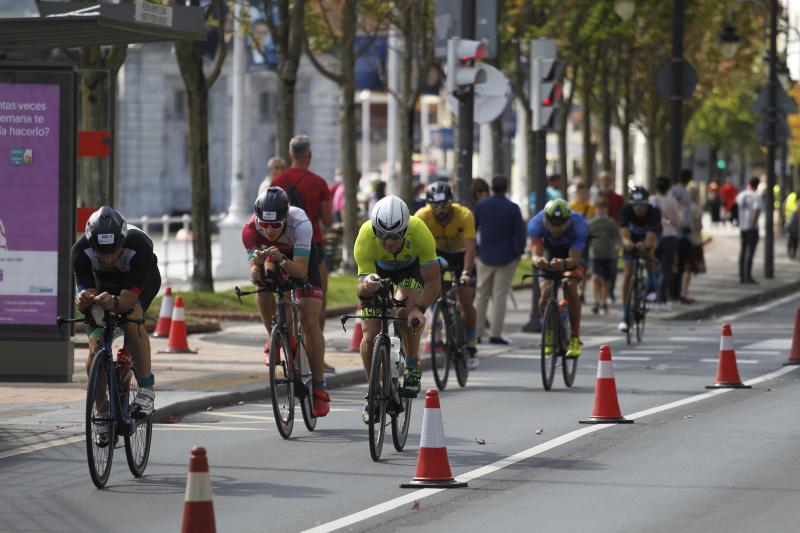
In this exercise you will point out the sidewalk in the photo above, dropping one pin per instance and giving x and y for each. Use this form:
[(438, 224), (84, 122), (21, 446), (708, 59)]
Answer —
[(228, 366)]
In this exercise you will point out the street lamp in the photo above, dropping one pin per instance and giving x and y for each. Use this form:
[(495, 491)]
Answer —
[(625, 8), (729, 41)]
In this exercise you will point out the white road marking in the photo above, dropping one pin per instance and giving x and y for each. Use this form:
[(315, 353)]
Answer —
[(615, 358), (758, 352), (771, 344), (759, 309), (631, 357), (204, 427), (700, 338), (41, 446), (738, 360), (645, 352), (416, 495), (599, 339), (518, 356)]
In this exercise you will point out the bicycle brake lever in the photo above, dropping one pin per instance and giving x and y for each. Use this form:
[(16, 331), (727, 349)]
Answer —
[(343, 320), (238, 292)]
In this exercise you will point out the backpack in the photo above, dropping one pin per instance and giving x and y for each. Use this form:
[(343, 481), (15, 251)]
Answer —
[(294, 195)]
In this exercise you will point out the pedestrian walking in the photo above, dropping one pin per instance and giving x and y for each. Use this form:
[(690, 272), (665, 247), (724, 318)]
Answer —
[(671, 219), (604, 248), (275, 166), (750, 204), (501, 238), (680, 191), (697, 263)]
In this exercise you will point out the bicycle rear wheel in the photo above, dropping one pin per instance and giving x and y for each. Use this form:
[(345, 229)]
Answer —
[(551, 344), (641, 310), (378, 395), (440, 345), (459, 350), (137, 444), (401, 421), (100, 428), (307, 399), (630, 304), (281, 382)]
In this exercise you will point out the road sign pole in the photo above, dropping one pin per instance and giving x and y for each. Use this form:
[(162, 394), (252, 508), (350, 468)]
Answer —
[(772, 118), (466, 99), (534, 322), (676, 99)]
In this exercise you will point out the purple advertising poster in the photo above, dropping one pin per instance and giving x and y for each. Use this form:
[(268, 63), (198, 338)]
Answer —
[(29, 193)]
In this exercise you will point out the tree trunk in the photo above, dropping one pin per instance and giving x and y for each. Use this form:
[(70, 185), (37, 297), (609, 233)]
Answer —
[(530, 142), (290, 50), (190, 61), (652, 156), (626, 157), (347, 142), (285, 118), (498, 148), (587, 162), (406, 105)]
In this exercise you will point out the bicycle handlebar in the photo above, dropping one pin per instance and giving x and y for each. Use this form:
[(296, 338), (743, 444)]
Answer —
[(268, 283)]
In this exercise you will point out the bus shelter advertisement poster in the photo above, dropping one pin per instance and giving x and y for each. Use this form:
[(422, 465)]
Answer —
[(29, 185)]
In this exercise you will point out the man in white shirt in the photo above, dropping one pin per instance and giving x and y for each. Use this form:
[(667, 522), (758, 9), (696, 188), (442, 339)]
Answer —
[(750, 204), (671, 219)]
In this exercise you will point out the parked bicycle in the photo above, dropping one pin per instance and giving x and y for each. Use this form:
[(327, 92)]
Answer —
[(555, 331), (289, 371), (388, 364), (448, 336), (637, 300), (110, 393)]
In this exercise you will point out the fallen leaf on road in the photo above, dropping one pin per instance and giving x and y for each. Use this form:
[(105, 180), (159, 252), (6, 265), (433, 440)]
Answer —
[(241, 403), (172, 419), (209, 408), (540, 431), (415, 505), (480, 441)]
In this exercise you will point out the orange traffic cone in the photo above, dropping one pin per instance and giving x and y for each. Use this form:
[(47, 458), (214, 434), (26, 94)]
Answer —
[(198, 507), (727, 371), (177, 332), (606, 407), (358, 334), (164, 315), (794, 356), (433, 467)]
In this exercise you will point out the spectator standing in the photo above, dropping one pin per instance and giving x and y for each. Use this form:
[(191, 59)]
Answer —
[(275, 166), (750, 204), (338, 183), (671, 220), (604, 248), (554, 187), (728, 192), (792, 223), (697, 262), (680, 191), (605, 190), (501, 234), (581, 203), (714, 203), (418, 198), (378, 192), (314, 194), (480, 190)]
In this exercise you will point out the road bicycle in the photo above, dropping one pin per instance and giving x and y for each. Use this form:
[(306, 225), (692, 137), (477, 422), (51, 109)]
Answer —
[(555, 331), (637, 300), (110, 393), (388, 364), (448, 337), (290, 379)]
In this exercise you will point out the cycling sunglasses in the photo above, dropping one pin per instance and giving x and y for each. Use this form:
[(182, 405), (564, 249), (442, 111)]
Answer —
[(389, 235), (269, 225), (441, 205)]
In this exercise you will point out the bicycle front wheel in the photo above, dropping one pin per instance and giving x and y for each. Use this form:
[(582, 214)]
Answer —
[(440, 345), (100, 428), (400, 423), (306, 381), (137, 444), (378, 395), (281, 382), (641, 311), (630, 304), (551, 344)]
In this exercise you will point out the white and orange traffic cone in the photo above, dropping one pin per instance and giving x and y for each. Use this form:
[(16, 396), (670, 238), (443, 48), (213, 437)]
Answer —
[(164, 315), (727, 371), (358, 334), (606, 406), (794, 355), (198, 505), (178, 343), (433, 467)]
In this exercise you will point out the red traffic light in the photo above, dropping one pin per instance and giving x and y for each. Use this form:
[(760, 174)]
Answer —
[(555, 95)]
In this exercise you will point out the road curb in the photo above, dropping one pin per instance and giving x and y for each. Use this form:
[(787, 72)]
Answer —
[(733, 305)]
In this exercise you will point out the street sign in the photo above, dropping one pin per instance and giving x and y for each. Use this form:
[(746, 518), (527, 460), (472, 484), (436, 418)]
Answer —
[(491, 96), (782, 131), (546, 84), (785, 103), (447, 24), (664, 80)]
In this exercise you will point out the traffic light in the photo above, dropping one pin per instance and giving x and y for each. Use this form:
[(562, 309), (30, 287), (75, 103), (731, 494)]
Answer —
[(547, 81), (722, 164), (460, 51)]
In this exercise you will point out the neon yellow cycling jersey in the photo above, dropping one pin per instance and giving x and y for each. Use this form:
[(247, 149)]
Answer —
[(418, 244), (450, 236)]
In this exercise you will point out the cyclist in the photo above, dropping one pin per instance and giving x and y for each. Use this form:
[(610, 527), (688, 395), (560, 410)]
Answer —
[(116, 269), (453, 228), (395, 245), (639, 227), (280, 234), (558, 240)]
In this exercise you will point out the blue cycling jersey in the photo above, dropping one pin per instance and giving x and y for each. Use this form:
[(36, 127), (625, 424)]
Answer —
[(575, 237)]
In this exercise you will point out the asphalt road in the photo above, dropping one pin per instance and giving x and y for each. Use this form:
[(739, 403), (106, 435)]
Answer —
[(715, 462)]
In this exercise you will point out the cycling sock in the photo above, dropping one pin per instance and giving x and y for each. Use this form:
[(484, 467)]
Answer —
[(472, 337), (625, 312), (411, 363), (146, 382), (320, 384), (651, 282)]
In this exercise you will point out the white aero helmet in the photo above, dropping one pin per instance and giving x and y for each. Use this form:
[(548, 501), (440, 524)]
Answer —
[(390, 217)]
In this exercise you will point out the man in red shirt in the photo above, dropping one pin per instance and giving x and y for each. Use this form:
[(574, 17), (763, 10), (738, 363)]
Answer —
[(728, 193), (605, 190), (315, 196)]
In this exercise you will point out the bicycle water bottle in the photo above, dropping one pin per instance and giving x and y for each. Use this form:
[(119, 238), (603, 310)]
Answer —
[(124, 367), (394, 356)]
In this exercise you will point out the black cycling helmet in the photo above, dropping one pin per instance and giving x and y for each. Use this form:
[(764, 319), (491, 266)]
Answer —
[(272, 205), (638, 195), (106, 230), (438, 192), (557, 212)]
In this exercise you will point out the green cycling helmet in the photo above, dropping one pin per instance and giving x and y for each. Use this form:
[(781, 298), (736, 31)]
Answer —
[(557, 212)]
